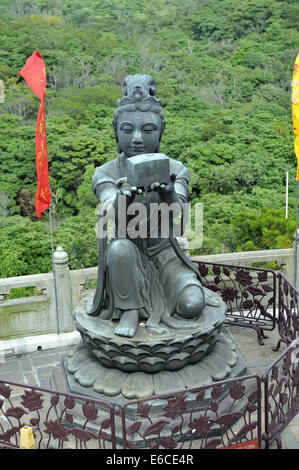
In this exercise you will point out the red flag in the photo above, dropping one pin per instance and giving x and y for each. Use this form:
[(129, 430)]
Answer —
[(34, 73)]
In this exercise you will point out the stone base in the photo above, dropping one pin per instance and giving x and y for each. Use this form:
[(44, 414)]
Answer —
[(86, 376), (148, 352), (89, 378), (151, 367)]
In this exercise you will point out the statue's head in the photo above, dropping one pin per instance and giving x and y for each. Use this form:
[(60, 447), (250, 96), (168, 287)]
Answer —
[(138, 121)]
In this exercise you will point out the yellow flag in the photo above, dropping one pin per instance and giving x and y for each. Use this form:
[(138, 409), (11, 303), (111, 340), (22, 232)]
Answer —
[(295, 110)]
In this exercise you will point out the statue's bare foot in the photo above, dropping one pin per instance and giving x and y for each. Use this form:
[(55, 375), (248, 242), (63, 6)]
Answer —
[(128, 323)]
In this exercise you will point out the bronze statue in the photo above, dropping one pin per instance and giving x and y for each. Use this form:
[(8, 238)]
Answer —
[(143, 278), (151, 327)]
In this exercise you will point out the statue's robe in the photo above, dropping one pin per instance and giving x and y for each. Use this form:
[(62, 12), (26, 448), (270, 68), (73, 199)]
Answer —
[(154, 274)]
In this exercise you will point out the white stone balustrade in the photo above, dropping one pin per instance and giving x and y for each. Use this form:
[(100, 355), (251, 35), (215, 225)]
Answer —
[(37, 315)]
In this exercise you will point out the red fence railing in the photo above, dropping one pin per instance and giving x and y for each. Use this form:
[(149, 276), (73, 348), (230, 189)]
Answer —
[(250, 294), (59, 420), (194, 418), (288, 311), (219, 415), (281, 393)]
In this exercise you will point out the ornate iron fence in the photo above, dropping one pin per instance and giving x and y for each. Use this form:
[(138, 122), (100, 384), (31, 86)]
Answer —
[(281, 381), (288, 311), (59, 420), (219, 415), (250, 294)]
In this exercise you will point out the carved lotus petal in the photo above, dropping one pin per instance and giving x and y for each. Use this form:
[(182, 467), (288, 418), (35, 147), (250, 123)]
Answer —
[(166, 351), (178, 361), (152, 364), (110, 350), (180, 342), (191, 345), (125, 363), (137, 353), (103, 358), (152, 347), (121, 343)]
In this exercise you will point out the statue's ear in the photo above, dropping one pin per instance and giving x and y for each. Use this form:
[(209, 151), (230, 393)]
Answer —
[(114, 123), (118, 148), (160, 137)]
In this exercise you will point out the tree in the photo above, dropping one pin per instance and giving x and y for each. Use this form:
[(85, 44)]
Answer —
[(225, 84), (262, 230), (4, 205)]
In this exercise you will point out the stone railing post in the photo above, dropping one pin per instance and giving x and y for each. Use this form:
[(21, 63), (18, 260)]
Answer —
[(296, 260), (64, 290)]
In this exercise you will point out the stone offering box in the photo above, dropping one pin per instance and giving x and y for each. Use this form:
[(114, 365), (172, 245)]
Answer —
[(144, 170)]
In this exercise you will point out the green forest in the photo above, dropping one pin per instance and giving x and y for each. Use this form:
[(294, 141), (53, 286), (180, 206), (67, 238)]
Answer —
[(223, 70)]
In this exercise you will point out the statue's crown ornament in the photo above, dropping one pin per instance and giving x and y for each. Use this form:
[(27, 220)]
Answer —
[(138, 88)]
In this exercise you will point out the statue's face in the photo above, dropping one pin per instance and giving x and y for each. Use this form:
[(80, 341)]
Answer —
[(138, 132)]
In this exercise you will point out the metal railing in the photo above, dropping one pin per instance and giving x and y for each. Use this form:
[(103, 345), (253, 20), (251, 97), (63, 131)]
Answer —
[(193, 418), (215, 416), (219, 415), (281, 393), (288, 311), (250, 294), (224, 414), (36, 314), (59, 420)]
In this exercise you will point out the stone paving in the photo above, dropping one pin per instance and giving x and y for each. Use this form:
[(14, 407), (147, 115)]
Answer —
[(37, 368)]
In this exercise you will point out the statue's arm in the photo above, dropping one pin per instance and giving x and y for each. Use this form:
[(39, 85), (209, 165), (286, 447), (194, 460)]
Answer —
[(177, 190), (104, 187), (107, 193)]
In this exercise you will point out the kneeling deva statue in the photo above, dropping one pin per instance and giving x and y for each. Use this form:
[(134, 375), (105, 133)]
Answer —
[(151, 326), (143, 274)]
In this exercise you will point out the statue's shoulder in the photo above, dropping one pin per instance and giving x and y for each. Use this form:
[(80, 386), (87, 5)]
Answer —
[(110, 168), (178, 169), (108, 172)]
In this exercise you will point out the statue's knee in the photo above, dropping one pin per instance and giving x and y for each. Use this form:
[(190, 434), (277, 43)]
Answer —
[(121, 250), (191, 302)]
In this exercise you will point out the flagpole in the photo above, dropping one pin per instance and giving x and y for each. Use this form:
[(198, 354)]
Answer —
[(54, 272), (34, 73)]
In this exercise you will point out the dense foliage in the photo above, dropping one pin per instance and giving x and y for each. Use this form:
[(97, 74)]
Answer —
[(224, 71)]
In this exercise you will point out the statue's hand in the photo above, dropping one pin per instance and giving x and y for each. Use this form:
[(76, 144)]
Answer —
[(126, 189), (131, 192), (164, 189)]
